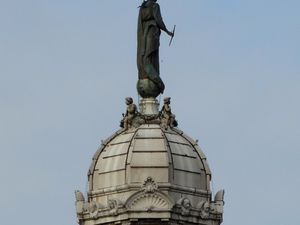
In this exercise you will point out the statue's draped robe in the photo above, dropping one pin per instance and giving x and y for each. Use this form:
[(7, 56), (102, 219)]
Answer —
[(150, 24)]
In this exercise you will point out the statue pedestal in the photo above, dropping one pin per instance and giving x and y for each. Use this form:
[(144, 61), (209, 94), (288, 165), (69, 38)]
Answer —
[(149, 106)]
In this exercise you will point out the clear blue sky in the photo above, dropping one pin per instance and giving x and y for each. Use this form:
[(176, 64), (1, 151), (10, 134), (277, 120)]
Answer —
[(233, 74)]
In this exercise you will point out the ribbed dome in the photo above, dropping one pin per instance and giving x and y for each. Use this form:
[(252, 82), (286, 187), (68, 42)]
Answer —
[(168, 156), (152, 173)]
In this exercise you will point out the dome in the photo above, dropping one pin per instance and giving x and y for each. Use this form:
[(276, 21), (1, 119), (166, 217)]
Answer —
[(150, 172), (168, 156)]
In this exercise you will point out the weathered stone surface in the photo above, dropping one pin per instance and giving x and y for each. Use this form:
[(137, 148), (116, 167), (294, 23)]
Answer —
[(150, 174), (147, 150)]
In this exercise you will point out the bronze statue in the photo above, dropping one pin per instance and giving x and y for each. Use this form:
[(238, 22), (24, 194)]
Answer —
[(131, 113), (150, 24)]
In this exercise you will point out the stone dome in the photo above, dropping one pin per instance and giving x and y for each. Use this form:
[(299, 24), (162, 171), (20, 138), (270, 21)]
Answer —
[(168, 156), (149, 173)]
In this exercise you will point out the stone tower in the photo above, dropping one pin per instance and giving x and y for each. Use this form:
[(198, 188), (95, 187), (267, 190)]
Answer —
[(149, 172)]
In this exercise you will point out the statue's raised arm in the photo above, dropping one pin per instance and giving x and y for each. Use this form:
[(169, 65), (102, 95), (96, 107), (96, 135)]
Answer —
[(150, 24)]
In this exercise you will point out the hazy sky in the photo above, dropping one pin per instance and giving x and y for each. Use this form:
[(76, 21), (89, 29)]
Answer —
[(232, 71)]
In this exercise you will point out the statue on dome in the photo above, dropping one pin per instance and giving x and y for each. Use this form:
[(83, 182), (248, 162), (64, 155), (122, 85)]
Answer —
[(166, 117), (130, 114), (150, 25)]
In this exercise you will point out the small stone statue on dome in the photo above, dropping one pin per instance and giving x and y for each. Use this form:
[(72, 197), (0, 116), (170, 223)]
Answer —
[(166, 116), (130, 114)]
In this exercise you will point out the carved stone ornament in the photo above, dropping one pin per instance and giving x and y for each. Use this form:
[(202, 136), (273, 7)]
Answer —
[(185, 206), (149, 198), (93, 209), (205, 209), (219, 197), (113, 206), (149, 202), (219, 202), (149, 185), (79, 196), (81, 204)]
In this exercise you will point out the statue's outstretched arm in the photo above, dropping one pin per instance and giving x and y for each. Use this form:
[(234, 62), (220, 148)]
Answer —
[(159, 20)]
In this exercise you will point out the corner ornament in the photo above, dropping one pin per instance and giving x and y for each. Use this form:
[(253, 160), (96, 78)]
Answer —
[(80, 203), (86, 207)]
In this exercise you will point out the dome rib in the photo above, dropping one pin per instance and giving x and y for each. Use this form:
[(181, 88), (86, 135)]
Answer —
[(128, 153), (170, 156), (199, 153), (96, 157)]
